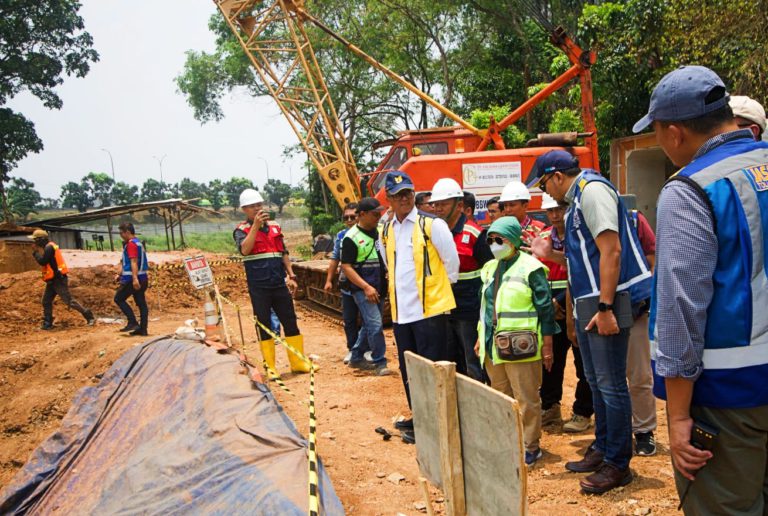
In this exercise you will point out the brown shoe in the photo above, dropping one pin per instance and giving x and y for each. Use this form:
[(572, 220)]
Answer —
[(592, 461), (605, 479)]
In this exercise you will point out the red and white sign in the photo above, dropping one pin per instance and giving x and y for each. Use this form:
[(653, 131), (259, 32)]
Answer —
[(200, 273)]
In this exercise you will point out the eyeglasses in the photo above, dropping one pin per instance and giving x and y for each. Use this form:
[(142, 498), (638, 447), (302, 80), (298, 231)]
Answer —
[(350, 217), (402, 195), (495, 240), (544, 181)]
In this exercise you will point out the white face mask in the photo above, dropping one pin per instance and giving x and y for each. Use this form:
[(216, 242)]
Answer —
[(500, 251)]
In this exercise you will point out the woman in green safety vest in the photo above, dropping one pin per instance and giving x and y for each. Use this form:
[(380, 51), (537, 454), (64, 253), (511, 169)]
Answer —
[(517, 321)]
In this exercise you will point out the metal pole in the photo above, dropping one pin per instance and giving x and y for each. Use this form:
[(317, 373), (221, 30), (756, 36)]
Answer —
[(165, 225), (109, 228), (266, 164), (111, 163), (181, 232), (160, 162)]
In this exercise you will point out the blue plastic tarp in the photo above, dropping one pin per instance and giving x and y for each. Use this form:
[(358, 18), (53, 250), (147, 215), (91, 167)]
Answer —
[(172, 428)]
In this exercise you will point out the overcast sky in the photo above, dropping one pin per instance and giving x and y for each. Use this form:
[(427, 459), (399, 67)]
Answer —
[(129, 105)]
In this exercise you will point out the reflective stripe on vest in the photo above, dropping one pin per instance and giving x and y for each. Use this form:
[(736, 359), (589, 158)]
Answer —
[(261, 256), (558, 284), (465, 247), (367, 263), (48, 272), (514, 303), (141, 260), (734, 179), (469, 275)]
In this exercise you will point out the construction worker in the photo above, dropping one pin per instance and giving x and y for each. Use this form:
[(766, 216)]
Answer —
[(133, 278), (748, 114), (492, 206), (349, 308), (270, 277), (552, 381), (708, 323), (514, 198), (448, 200), (608, 279), (424, 202), (517, 321), (422, 263), (469, 206), (55, 271), (362, 263)]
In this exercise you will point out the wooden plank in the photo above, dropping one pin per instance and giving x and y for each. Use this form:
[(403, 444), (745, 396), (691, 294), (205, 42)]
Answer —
[(495, 476), (436, 424)]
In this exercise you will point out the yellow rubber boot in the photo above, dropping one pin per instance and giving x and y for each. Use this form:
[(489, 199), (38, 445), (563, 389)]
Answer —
[(297, 364), (268, 352)]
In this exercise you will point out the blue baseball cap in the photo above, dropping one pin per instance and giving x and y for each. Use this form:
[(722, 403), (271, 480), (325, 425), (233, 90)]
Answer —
[(396, 181), (549, 163), (682, 95)]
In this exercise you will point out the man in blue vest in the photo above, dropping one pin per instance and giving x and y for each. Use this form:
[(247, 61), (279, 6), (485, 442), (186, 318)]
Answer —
[(134, 270), (608, 279), (708, 324)]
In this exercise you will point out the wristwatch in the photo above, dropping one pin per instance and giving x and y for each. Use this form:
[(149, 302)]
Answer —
[(604, 307), (292, 277)]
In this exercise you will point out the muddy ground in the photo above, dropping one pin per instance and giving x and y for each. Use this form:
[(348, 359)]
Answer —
[(40, 372)]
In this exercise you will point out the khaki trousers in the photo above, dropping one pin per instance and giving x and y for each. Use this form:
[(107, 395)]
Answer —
[(521, 381), (640, 377)]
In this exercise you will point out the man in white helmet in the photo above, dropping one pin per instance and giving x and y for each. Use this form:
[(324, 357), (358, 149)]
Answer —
[(270, 277), (748, 114), (515, 197), (448, 204)]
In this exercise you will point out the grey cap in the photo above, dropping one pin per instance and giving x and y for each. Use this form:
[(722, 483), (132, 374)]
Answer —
[(681, 95)]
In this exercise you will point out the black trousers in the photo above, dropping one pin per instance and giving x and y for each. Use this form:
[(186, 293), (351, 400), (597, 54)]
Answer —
[(427, 338), (552, 381), (125, 291), (59, 286), (266, 299)]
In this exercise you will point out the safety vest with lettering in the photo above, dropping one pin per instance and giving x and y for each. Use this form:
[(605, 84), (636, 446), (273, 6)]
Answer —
[(530, 229), (264, 264), (465, 242), (367, 264), (733, 180), (583, 255), (432, 283), (514, 306), (558, 274), (141, 261), (48, 272)]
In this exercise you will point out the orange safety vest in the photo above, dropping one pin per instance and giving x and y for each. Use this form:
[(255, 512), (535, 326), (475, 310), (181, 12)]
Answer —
[(531, 229), (465, 246), (48, 272)]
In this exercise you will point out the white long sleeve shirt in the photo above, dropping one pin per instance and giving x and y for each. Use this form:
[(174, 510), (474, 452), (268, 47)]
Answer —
[(407, 290)]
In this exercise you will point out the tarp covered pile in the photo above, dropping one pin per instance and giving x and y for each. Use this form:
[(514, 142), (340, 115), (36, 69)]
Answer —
[(172, 428)]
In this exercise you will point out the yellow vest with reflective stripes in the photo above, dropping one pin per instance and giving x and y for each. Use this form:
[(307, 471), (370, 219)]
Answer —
[(432, 281), (514, 304)]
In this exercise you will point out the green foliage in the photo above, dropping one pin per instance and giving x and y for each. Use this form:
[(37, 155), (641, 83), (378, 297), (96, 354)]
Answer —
[(233, 188), (214, 192), (219, 242), (322, 223), (513, 137), (277, 193), (40, 42), (22, 197), (123, 193), (75, 195), (189, 189), (153, 190), (566, 120), (99, 188)]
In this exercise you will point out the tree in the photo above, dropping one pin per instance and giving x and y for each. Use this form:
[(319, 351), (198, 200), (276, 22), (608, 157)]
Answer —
[(152, 190), (123, 193), (22, 197), (189, 189), (277, 193), (234, 187), (214, 192), (41, 42), (75, 195), (48, 203), (99, 186)]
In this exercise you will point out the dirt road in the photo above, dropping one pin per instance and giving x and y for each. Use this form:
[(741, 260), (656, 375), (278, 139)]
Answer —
[(41, 371)]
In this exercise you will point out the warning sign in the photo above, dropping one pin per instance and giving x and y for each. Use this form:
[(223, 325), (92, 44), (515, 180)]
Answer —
[(199, 271)]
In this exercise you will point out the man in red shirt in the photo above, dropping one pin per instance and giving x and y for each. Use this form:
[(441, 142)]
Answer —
[(133, 278), (514, 198)]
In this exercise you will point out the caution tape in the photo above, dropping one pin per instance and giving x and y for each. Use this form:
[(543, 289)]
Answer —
[(185, 283), (314, 500), (168, 266)]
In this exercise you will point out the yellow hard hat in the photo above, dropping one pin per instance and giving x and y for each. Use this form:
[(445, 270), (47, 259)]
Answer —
[(38, 233)]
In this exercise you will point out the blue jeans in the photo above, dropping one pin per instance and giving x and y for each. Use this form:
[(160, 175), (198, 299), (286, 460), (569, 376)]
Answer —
[(372, 331), (274, 322), (462, 336), (349, 313), (605, 366)]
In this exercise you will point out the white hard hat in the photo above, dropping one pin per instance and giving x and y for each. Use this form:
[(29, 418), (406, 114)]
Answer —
[(446, 188), (748, 108), (515, 191), (547, 202), (250, 196)]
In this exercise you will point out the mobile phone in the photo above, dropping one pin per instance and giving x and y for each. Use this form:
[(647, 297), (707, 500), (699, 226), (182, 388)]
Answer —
[(703, 435)]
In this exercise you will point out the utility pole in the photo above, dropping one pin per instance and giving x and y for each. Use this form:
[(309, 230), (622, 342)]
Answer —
[(112, 163), (160, 162), (266, 164)]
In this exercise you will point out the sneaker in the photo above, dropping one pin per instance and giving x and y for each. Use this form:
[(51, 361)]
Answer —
[(532, 456), (382, 371), (130, 327), (551, 416), (645, 444), (408, 436), (404, 424), (347, 357), (138, 332), (91, 321), (577, 424), (368, 356), (46, 326), (362, 365)]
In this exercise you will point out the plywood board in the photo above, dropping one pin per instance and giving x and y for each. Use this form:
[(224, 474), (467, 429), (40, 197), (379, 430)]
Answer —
[(422, 382), (492, 450)]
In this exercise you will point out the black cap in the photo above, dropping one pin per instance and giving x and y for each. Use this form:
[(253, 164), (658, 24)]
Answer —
[(369, 204)]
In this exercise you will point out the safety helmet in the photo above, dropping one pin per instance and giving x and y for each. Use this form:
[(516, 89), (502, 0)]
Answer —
[(547, 202), (514, 191), (446, 188), (250, 196)]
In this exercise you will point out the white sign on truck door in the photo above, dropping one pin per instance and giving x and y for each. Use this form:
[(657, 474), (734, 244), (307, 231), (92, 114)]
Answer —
[(486, 180), (199, 271)]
